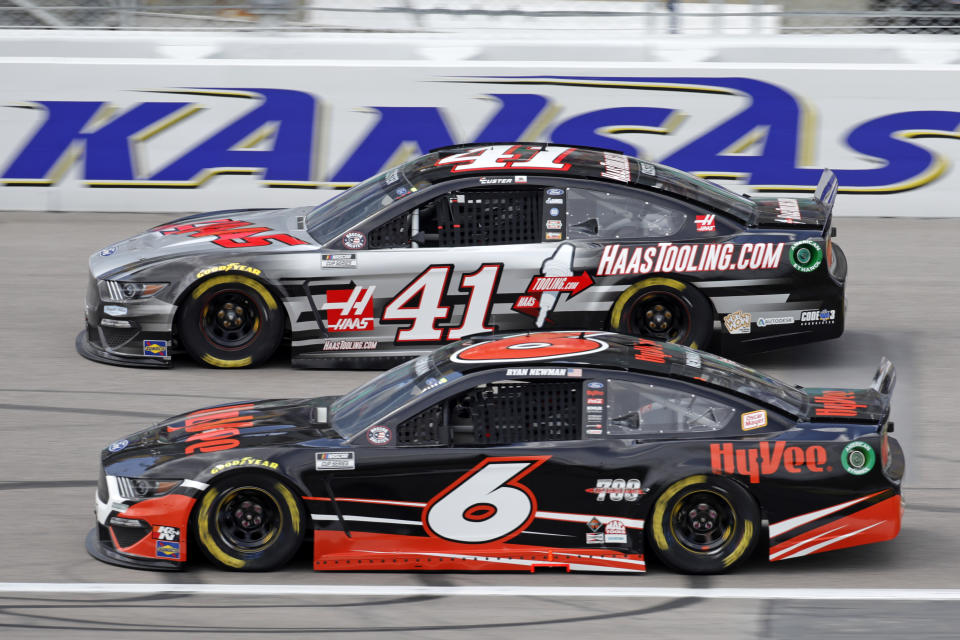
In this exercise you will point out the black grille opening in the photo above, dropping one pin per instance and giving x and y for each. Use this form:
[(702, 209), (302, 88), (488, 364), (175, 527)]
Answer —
[(504, 413), (489, 218), (127, 536), (425, 428), (115, 338)]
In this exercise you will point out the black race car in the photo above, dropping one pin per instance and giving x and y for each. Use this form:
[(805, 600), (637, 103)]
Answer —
[(551, 449), (469, 240)]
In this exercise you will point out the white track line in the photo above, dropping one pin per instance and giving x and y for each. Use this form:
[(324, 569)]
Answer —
[(368, 591)]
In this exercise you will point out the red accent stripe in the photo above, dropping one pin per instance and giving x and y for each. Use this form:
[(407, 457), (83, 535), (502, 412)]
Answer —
[(886, 515), (333, 550)]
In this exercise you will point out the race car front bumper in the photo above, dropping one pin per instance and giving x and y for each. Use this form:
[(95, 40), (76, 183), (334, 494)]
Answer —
[(102, 549), (130, 332), (146, 534), (100, 352)]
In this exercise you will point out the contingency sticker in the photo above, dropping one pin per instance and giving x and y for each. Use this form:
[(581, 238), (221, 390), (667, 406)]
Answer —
[(338, 260), (753, 420), (335, 460)]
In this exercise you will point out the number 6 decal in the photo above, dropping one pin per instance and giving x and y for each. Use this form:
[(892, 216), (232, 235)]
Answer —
[(486, 504)]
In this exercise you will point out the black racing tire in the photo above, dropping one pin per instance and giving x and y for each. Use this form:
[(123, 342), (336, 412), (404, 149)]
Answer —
[(664, 309), (249, 522), (231, 321), (704, 525)]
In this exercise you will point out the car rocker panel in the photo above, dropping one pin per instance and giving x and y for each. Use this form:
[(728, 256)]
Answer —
[(555, 449), (470, 240)]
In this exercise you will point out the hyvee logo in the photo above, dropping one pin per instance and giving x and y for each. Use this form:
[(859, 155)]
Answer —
[(766, 459), (349, 309)]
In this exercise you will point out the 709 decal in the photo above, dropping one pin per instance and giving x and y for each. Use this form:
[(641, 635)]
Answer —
[(486, 504), (420, 304)]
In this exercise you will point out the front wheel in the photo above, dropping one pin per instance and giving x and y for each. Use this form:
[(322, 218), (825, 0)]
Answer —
[(664, 309), (249, 522), (704, 524), (231, 321)]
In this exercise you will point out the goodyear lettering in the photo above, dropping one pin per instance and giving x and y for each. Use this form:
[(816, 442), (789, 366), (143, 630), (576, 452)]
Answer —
[(766, 459), (667, 257), (233, 266), (108, 150), (246, 462), (837, 403)]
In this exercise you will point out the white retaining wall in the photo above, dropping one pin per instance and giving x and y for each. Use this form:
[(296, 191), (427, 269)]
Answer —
[(190, 133)]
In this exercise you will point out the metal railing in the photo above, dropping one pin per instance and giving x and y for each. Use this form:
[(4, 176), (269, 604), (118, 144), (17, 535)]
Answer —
[(653, 17)]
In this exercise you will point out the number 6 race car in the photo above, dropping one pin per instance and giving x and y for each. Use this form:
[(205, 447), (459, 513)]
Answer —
[(469, 240), (551, 449)]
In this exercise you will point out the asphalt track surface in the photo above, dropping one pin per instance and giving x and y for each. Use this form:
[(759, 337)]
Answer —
[(57, 410)]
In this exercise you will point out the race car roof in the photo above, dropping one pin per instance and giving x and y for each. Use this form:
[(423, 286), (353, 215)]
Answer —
[(573, 350), (547, 159)]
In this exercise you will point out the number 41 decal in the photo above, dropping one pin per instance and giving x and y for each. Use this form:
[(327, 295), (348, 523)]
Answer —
[(420, 304)]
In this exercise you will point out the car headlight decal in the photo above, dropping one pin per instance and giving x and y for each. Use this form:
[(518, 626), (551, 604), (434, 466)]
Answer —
[(119, 291), (141, 488)]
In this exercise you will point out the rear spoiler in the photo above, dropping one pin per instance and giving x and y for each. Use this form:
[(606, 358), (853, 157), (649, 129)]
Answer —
[(826, 191), (885, 378)]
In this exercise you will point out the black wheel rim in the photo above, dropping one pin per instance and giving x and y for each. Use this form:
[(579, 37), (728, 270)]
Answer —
[(703, 521), (231, 319), (661, 316), (249, 519)]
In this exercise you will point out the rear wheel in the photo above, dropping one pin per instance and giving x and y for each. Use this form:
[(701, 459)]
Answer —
[(249, 522), (664, 309), (704, 524), (231, 321)]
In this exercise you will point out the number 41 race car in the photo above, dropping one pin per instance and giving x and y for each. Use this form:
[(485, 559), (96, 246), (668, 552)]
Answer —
[(553, 449), (470, 240)]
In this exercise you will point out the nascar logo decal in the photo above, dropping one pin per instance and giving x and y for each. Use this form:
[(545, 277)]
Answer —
[(533, 346)]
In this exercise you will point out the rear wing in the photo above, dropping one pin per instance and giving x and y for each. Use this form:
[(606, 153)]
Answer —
[(885, 378), (826, 191)]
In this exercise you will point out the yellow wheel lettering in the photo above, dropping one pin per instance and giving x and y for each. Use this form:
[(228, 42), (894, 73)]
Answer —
[(226, 364), (206, 537), (658, 530), (291, 504), (742, 546), (248, 282), (615, 315)]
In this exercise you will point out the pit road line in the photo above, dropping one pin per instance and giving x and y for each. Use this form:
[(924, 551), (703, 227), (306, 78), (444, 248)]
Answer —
[(927, 595)]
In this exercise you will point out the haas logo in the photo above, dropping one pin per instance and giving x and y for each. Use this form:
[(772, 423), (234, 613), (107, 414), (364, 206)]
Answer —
[(349, 309)]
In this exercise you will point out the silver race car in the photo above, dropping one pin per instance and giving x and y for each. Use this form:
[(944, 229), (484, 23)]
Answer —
[(468, 240)]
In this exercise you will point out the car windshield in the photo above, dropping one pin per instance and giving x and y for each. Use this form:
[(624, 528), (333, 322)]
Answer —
[(753, 384), (386, 393), (710, 192), (342, 213)]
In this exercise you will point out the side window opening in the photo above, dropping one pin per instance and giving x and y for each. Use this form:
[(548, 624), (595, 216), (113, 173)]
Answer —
[(503, 412), (593, 214), (467, 218), (391, 234), (643, 409), (482, 217)]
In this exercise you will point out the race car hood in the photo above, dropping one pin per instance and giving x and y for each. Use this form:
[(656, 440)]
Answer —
[(229, 426), (848, 405), (209, 233), (790, 213)]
